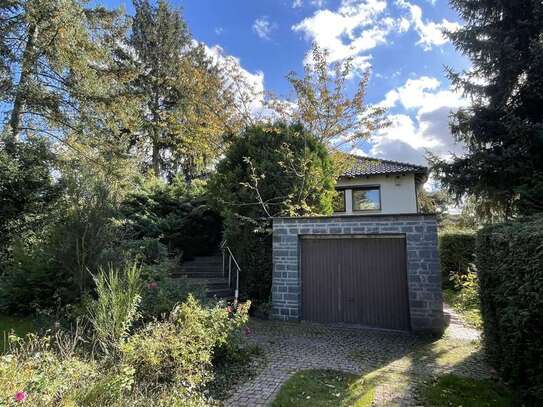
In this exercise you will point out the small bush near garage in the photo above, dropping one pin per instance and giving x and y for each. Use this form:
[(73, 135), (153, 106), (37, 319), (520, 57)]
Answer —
[(510, 265), (456, 253)]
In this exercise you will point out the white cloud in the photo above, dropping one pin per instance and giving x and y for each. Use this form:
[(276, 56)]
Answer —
[(423, 123), (430, 33), (253, 82), (219, 30), (263, 27), (315, 3), (356, 27)]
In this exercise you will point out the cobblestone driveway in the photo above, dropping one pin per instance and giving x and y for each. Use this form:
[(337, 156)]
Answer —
[(399, 360)]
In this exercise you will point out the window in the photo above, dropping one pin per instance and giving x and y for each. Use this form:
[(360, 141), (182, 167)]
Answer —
[(366, 199), (339, 201)]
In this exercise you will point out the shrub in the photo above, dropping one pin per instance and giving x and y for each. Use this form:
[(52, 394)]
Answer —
[(181, 349), (32, 282), (170, 213), (456, 253), (270, 170), (161, 292), (510, 265), (252, 247), (116, 308)]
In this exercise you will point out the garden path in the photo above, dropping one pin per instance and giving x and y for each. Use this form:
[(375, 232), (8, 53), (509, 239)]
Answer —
[(397, 361)]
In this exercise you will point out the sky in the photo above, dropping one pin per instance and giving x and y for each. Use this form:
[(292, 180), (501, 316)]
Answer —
[(399, 41)]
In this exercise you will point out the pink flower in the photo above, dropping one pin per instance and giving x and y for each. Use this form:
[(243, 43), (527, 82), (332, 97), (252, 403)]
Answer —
[(229, 309), (247, 331), (152, 285), (21, 396)]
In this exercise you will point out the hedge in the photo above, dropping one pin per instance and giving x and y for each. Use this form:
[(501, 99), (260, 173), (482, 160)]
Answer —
[(509, 259), (251, 243), (456, 253)]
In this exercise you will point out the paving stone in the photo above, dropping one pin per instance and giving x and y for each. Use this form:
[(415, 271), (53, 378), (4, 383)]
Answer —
[(402, 359)]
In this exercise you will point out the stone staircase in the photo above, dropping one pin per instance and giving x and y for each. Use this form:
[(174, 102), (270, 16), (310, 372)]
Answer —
[(206, 271)]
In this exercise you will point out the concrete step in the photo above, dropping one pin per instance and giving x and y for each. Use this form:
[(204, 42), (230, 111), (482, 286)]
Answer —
[(197, 274), (210, 282), (220, 293)]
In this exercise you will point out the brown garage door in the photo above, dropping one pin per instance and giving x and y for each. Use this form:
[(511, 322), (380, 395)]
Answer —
[(356, 280)]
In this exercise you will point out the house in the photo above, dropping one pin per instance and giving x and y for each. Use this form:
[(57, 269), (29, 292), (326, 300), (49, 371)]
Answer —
[(374, 262), (374, 186)]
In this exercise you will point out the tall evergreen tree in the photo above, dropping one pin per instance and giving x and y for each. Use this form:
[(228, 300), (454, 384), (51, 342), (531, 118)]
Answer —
[(503, 128), (55, 65), (159, 37), (189, 101)]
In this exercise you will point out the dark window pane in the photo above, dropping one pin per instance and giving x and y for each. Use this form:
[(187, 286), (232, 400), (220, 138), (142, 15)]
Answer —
[(366, 199), (339, 201)]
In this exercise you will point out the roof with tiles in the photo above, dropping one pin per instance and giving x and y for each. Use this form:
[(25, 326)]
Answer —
[(363, 166)]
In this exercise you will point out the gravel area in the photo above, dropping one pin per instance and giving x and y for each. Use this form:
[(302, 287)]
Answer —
[(395, 361)]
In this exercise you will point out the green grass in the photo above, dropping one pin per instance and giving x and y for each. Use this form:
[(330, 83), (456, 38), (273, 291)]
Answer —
[(20, 326), (451, 390), (468, 311), (325, 388)]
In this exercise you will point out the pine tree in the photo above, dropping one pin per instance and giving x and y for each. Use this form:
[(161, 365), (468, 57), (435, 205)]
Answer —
[(56, 66), (159, 36), (502, 130)]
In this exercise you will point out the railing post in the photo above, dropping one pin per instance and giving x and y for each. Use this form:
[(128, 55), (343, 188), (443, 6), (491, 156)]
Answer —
[(223, 265), (229, 270), (236, 293)]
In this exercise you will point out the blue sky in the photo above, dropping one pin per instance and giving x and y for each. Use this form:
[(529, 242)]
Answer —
[(399, 40)]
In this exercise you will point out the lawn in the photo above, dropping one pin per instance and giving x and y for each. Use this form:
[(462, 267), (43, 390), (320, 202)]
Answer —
[(451, 390), (20, 326), (468, 310), (325, 388), (334, 388)]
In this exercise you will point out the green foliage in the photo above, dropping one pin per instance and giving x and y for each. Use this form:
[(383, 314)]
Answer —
[(32, 282), (456, 253), (274, 170), (27, 191), (181, 349), (251, 243), (162, 292), (268, 171), (76, 77), (116, 307), (464, 299), (451, 390), (174, 215), (502, 130), (13, 325), (163, 364), (509, 260)]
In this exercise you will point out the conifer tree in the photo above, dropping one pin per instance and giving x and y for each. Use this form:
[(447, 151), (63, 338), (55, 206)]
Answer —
[(56, 65), (502, 130)]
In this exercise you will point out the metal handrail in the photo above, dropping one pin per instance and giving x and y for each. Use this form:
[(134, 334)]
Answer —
[(225, 248)]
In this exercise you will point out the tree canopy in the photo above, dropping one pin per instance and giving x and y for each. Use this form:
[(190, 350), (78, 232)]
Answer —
[(502, 129)]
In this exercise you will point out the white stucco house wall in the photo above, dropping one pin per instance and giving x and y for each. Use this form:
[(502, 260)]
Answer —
[(373, 186)]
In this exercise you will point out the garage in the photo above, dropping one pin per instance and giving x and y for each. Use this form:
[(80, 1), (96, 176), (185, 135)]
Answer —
[(379, 271), (355, 279)]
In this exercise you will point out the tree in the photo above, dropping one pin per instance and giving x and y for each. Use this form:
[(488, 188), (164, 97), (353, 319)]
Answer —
[(268, 170), (159, 36), (502, 130), (187, 100), (322, 106), (274, 170), (27, 190), (55, 65), (435, 202)]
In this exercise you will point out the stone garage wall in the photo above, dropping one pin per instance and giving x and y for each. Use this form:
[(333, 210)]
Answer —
[(423, 275)]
